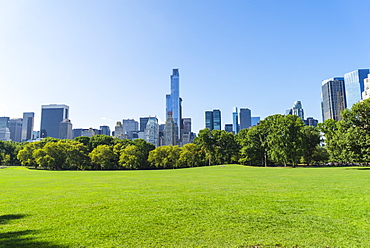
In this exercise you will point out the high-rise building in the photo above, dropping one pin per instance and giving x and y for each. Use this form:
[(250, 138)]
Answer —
[(235, 121), (310, 121), (187, 125), (229, 128), (354, 85), (4, 121), (173, 101), (151, 132), (213, 119), (130, 126), (27, 126), (245, 118), (170, 132), (51, 117), (118, 130), (105, 130), (143, 122), (15, 127), (333, 98), (366, 93), (255, 120), (217, 119), (65, 130), (209, 120), (298, 110)]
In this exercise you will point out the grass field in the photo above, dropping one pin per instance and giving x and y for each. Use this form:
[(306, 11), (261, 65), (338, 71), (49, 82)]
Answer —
[(231, 206)]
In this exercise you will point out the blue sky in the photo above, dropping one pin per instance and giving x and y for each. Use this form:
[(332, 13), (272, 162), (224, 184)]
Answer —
[(110, 60)]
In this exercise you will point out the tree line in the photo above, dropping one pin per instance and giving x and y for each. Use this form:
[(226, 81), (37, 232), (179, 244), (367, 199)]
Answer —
[(277, 140)]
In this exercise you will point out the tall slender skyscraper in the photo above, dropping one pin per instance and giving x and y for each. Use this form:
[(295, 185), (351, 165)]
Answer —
[(235, 121), (354, 85), (333, 98), (51, 117), (27, 125), (173, 101), (15, 127)]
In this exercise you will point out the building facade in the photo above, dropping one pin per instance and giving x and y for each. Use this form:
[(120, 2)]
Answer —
[(245, 118), (65, 130), (51, 117), (213, 119), (105, 130), (15, 127), (354, 85), (173, 101), (235, 121), (27, 126), (151, 132), (298, 110), (333, 98), (170, 132), (366, 93)]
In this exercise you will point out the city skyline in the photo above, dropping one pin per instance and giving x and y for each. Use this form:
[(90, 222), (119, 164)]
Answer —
[(109, 61)]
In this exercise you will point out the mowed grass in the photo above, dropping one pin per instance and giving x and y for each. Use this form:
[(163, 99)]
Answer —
[(231, 206)]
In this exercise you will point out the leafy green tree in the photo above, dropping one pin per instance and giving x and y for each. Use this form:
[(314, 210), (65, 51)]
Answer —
[(207, 144), (131, 157), (103, 157), (52, 155), (25, 155), (310, 142), (84, 140), (189, 156), (100, 139), (285, 139), (165, 157)]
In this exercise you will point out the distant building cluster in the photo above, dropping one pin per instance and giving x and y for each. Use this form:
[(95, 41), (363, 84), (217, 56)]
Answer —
[(339, 93), (55, 123)]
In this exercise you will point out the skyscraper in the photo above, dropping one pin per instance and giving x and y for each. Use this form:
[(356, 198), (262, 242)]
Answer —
[(130, 126), (151, 133), (4, 129), (255, 120), (27, 125), (173, 101), (298, 110), (65, 130), (209, 120), (366, 93), (213, 119), (333, 98), (15, 127), (235, 121), (105, 130), (143, 122), (354, 85), (51, 117), (170, 132), (245, 118)]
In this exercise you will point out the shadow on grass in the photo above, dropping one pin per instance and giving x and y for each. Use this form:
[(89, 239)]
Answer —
[(20, 238), (366, 168)]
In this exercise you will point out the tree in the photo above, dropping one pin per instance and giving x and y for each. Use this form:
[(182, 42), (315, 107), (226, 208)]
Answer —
[(189, 156), (164, 157), (131, 157), (100, 139), (25, 155), (310, 142), (103, 157), (207, 144)]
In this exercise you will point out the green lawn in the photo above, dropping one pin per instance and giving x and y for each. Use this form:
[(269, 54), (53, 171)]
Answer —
[(231, 206)]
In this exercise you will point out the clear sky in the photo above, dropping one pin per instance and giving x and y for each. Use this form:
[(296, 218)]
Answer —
[(110, 60)]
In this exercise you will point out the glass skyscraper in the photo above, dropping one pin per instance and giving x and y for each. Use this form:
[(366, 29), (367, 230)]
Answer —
[(333, 98), (213, 119), (235, 121), (245, 118), (51, 117), (27, 125), (173, 100), (298, 110), (354, 85)]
